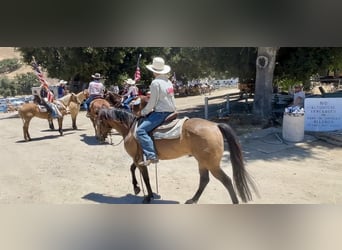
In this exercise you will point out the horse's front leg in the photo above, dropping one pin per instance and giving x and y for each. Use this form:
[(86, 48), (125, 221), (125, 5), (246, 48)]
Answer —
[(51, 125), (60, 125), (134, 179), (146, 178), (73, 119)]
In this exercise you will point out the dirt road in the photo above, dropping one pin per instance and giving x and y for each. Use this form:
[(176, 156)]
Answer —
[(75, 169)]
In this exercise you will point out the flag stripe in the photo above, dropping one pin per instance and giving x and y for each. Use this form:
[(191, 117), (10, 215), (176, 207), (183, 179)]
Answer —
[(137, 75), (40, 76)]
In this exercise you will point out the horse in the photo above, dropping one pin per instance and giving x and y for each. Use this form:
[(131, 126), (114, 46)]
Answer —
[(110, 99), (114, 99), (29, 110), (94, 108), (74, 107), (200, 138)]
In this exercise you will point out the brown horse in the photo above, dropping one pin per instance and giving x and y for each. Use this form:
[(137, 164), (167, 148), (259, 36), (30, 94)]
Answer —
[(111, 99), (94, 108), (29, 110), (114, 99), (202, 139)]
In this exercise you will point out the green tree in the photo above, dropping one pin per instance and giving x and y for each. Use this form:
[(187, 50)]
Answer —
[(25, 82)]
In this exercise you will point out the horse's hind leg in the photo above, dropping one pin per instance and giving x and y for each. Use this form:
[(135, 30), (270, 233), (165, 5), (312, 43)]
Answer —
[(134, 179), (227, 182), (25, 130), (204, 180)]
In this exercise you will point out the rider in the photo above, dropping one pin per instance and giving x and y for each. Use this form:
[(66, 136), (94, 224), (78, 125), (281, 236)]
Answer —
[(61, 88), (95, 89), (160, 105), (47, 97), (132, 92)]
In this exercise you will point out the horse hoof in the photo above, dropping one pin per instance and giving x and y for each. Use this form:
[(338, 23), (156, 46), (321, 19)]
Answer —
[(147, 200), (136, 190), (189, 201)]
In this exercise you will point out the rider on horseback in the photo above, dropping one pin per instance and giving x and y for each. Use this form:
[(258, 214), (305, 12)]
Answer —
[(132, 92), (47, 97), (95, 89), (160, 105)]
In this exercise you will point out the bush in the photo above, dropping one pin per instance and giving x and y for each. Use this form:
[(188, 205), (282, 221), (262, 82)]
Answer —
[(9, 65)]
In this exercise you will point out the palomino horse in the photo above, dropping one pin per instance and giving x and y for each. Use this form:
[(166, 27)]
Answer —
[(29, 110), (202, 139), (74, 107)]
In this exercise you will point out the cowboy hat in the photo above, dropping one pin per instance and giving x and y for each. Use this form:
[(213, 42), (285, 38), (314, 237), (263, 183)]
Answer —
[(130, 81), (62, 82), (96, 76), (158, 66)]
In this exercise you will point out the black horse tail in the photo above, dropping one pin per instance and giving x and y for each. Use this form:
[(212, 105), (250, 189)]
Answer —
[(242, 180)]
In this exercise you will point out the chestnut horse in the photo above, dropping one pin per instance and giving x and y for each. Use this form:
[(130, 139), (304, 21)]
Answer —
[(74, 108), (111, 99), (94, 108), (29, 110), (202, 139)]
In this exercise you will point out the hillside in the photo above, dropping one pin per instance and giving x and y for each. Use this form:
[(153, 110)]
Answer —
[(10, 53)]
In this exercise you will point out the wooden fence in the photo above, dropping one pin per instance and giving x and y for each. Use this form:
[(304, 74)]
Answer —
[(224, 107)]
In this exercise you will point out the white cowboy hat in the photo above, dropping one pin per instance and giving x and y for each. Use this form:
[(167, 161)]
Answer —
[(96, 76), (130, 81), (62, 82), (158, 66)]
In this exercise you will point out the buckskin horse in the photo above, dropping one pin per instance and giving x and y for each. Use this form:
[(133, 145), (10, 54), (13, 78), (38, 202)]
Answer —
[(202, 139), (29, 110)]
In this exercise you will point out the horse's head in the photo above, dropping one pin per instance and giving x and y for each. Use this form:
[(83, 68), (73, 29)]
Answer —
[(138, 104), (85, 93), (102, 125), (121, 120), (73, 98), (113, 98)]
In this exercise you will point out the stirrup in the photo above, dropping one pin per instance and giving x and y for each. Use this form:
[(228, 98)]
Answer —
[(148, 162)]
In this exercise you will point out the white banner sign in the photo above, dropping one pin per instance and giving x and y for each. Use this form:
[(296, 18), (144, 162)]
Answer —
[(323, 114)]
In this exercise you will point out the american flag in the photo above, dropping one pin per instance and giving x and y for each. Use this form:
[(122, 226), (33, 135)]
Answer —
[(40, 76), (137, 75)]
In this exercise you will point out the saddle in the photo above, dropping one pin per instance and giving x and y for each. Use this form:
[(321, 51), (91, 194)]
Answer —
[(170, 129), (42, 108)]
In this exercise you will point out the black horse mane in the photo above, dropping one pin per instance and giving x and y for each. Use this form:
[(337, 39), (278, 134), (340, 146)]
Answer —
[(118, 115)]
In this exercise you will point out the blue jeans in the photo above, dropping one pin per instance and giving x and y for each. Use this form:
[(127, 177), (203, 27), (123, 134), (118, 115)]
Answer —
[(127, 101), (152, 121), (88, 101)]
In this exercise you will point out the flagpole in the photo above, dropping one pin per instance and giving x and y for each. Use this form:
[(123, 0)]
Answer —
[(138, 60)]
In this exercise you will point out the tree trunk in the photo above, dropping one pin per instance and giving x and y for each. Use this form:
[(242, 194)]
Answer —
[(262, 107)]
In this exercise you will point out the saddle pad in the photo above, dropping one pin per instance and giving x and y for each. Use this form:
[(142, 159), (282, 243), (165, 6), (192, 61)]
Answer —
[(42, 108), (172, 130)]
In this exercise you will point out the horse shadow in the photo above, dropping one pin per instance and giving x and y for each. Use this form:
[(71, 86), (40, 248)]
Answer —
[(127, 199), (90, 140), (47, 137)]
